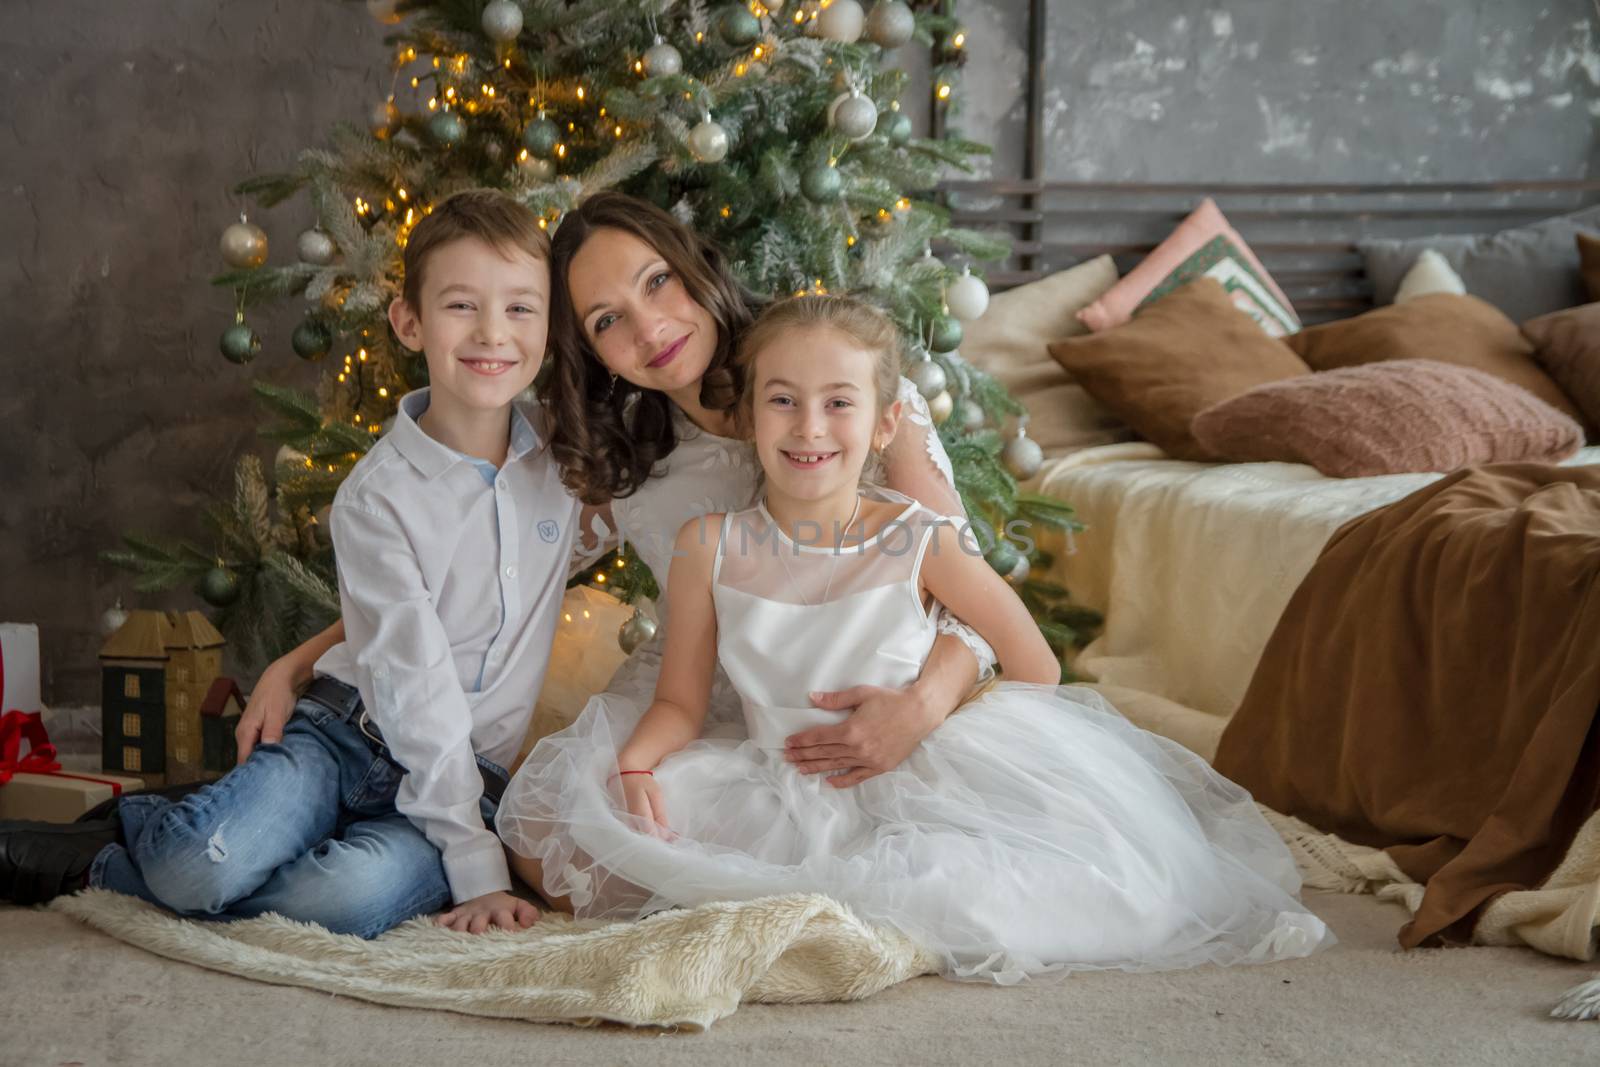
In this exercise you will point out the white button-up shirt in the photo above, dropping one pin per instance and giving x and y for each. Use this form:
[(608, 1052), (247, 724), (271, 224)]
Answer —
[(451, 576)]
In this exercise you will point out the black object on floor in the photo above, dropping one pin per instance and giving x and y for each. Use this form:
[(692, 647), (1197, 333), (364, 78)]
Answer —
[(107, 809), (40, 861)]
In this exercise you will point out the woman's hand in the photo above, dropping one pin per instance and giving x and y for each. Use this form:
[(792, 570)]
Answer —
[(492, 909), (885, 726), (271, 703), (643, 798)]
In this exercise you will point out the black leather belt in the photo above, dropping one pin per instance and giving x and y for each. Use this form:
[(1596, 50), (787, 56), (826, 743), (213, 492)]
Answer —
[(345, 701)]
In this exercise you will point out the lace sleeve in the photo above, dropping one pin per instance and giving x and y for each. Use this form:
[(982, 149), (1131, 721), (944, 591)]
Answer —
[(595, 538), (917, 466)]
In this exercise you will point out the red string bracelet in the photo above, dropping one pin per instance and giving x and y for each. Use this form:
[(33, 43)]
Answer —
[(651, 773)]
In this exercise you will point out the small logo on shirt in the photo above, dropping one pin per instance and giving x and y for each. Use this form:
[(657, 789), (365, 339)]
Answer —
[(549, 530)]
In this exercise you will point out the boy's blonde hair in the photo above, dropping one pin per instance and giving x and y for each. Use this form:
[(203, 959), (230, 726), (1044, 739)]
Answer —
[(858, 320), (487, 214)]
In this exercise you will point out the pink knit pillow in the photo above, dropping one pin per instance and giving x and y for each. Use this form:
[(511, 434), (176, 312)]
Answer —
[(1388, 418)]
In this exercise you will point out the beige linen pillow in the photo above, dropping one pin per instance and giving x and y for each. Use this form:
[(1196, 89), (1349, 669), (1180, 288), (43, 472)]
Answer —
[(1008, 343)]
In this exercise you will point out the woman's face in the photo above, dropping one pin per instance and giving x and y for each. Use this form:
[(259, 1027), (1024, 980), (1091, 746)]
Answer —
[(637, 315)]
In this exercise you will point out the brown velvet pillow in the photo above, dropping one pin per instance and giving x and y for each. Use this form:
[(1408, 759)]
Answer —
[(1567, 344), (1455, 329), (1589, 263), (1389, 418), (1179, 355)]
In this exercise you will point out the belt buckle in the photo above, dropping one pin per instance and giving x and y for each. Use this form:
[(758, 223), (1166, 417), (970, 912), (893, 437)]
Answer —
[(370, 732)]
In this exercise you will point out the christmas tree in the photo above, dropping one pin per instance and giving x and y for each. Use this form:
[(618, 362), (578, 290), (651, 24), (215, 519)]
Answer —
[(775, 128)]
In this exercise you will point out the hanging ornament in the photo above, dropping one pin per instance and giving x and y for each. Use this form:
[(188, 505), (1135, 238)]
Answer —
[(384, 11), (822, 184), (967, 297), (1019, 573), (738, 27), (929, 260), (944, 335), (1003, 557), (895, 125), (971, 416), (1022, 455), (890, 24), (853, 114), (773, 6), (240, 343), (539, 169), (541, 135), (661, 60), (941, 406), (311, 339), (447, 128), (708, 142), (244, 245), (113, 618), (316, 248), (289, 458), (502, 21), (382, 118), (219, 586), (928, 377), (842, 21), (636, 631)]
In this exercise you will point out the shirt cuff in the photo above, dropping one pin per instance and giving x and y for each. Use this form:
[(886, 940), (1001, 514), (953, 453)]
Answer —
[(480, 870)]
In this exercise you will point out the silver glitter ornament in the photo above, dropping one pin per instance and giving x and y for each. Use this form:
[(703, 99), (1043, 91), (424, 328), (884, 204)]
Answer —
[(971, 416), (708, 142), (636, 631), (316, 248), (502, 21), (890, 24), (842, 21), (928, 377), (661, 60), (853, 114)]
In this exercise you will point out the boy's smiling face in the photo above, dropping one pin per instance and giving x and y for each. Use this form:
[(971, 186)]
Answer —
[(481, 323)]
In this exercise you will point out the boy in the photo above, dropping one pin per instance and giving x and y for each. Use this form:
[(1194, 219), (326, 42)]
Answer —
[(452, 538)]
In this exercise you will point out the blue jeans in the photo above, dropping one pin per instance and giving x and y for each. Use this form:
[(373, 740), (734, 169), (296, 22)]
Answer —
[(306, 828)]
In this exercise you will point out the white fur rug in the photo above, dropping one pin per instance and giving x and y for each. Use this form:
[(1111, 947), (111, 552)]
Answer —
[(679, 969)]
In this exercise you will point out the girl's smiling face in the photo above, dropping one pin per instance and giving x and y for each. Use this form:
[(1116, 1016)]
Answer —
[(637, 315), (815, 411)]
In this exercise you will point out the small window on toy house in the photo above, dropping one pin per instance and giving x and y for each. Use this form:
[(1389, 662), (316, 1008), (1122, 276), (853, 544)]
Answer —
[(181, 754), (130, 759), (130, 686), (130, 724), (183, 701)]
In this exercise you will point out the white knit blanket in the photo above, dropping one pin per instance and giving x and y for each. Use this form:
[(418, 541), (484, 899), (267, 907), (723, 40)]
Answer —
[(678, 969)]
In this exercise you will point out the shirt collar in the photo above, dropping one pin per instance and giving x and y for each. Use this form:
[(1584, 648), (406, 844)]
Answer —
[(432, 458)]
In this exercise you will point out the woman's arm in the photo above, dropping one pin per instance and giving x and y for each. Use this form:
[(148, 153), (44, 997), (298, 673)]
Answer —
[(272, 700), (683, 689), (965, 584), (597, 535)]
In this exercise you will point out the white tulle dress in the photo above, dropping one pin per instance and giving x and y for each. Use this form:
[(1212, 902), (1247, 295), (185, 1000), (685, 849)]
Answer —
[(1035, 831)]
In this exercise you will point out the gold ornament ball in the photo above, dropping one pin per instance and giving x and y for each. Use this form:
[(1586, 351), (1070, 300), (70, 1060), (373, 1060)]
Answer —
[(941, 406), (636, 631), (244, 245)]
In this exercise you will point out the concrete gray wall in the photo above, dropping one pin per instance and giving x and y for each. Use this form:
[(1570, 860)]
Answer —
[(127, 124)]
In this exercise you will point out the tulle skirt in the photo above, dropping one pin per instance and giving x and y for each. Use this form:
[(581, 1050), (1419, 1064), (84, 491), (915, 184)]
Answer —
[(1035, 831)]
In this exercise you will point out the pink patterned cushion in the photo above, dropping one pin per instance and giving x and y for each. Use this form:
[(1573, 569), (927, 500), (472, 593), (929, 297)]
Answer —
[(1203, 245), (1388, 418)]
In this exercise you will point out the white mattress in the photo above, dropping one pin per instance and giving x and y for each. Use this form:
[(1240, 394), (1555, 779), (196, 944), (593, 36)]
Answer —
[(1192, 563)]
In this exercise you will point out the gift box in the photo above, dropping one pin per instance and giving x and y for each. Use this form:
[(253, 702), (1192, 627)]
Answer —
[(33, 784)]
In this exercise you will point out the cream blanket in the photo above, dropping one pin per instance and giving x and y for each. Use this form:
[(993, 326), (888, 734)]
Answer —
[(678, 969)]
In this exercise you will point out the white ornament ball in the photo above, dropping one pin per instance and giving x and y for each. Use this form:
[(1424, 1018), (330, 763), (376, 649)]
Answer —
[(940, 407), (842, 21), (113, 618), (971, 416), (1019, 573), (537, 167), (316, 248), (636, 631), (384, 10), (661, 60), (244, 245), (1022, 456), (708, 142), (928, 377), (853, 114), (967, 298), (502, 21), (288, 458), (891, 24)]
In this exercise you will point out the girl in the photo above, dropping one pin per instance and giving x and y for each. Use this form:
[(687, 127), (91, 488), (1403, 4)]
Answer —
[(645, 319), (1036, 831)]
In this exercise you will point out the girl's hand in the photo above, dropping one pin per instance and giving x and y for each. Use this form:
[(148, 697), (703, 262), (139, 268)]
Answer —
[(271, 703), (643, 798), (492, 909)]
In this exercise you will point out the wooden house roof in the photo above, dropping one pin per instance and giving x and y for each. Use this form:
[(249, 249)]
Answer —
[(156, 634), (190, 629), (216, 701)]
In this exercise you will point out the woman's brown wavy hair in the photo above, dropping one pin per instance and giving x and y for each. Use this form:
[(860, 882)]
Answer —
[(607, 439)]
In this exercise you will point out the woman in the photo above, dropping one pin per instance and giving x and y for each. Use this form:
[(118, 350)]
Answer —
[(645, 319)]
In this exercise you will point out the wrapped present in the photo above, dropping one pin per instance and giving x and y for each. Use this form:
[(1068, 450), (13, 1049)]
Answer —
[(19, 667), (32, 783)]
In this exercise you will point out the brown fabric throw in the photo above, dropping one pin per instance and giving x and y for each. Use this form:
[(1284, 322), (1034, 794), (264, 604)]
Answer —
[(1432, 687)]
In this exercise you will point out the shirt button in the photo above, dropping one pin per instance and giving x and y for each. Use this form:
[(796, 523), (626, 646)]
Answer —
[(511, 570), (501, 483)]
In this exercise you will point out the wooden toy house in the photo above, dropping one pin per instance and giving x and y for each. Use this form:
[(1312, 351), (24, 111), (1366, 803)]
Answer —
[(156, 671), (219, 718)]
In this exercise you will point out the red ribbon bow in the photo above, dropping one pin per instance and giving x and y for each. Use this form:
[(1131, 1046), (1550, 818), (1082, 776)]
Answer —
[(15, 728)]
